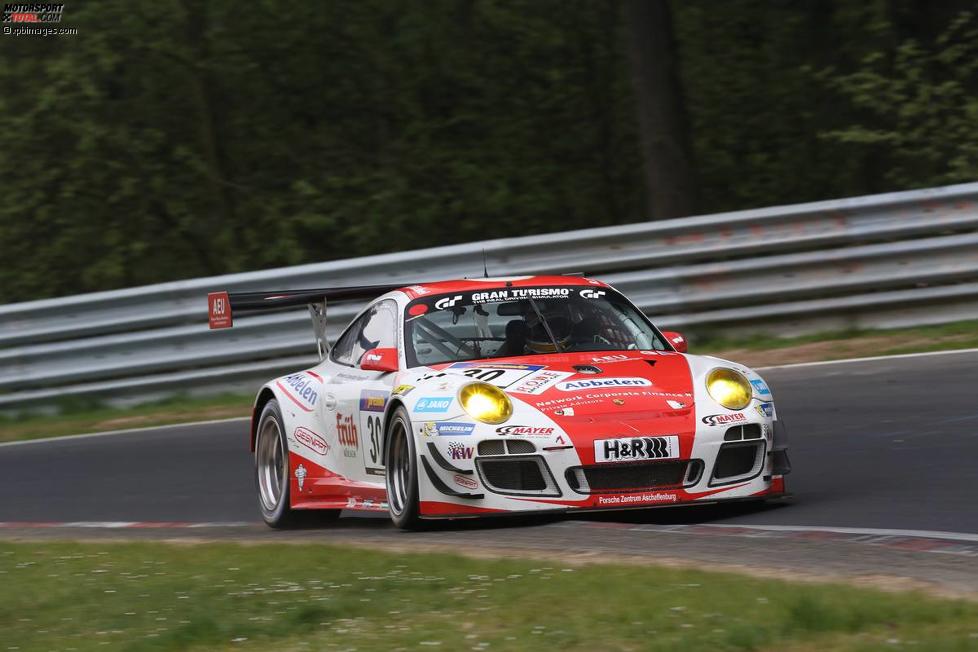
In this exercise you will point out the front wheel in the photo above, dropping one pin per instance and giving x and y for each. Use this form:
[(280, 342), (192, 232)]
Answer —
[(401, 471)]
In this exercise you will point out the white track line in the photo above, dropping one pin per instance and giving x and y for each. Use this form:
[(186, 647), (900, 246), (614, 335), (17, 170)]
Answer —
[(874, 358), (883, 532), (68, 438)]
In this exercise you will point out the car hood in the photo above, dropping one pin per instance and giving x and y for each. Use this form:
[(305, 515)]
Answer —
[(593, 396)]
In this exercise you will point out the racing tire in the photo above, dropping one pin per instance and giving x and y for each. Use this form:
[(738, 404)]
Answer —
[(401, 471), (273, 472)]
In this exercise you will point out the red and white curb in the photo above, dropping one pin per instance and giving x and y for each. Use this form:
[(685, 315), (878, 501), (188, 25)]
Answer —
[(120, 525)]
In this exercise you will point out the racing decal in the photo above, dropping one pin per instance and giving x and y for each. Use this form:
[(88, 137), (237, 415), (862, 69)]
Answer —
[(447, 302), (219, 310), (636, 448), (761, 388), (369, 504), (675, 405), (451, 428), (615, 357), (765, 409), (300, 475), (588, 293), (513, 294), (459, 451), (723, 419), (465, 482), (301, 389), (402, 390), (602, 383), (539, 382), (433, 404), (526, 431), (564, 412), (372, 405), (647, 497), (373, 400), (501, 374), (311, 440), (346, 433)]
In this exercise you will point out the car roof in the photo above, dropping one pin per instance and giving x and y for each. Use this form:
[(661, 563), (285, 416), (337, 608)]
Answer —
[(476, 284)]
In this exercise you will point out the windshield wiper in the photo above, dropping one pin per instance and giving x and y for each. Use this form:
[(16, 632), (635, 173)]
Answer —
[(546, 326)]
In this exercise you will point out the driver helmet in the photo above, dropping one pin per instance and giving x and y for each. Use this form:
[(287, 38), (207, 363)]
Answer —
[(559, 321)]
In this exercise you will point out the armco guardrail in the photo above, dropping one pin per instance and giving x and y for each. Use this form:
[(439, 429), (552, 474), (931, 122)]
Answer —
[(884, 260)]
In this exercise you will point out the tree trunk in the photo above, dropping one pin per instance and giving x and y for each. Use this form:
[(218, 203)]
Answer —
[(661, 109)]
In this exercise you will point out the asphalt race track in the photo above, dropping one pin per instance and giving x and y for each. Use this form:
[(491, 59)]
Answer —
[(889, 444)]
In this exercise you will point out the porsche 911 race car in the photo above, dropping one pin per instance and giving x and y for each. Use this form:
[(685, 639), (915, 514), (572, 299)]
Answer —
[(499, 396)]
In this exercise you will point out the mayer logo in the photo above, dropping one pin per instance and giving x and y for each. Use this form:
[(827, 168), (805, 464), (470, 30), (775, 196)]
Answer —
[(447, 302), (453, 428), (372, 401), (433, 404), (602, 383), (723, 419), (524, 430), (311, 440), (303, 392)]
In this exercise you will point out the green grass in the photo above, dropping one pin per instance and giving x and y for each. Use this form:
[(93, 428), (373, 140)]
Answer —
[(79, 417), (943, 337), (148, 596)]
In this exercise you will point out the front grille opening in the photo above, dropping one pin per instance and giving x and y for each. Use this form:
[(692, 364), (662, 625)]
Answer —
[(747, 431), (520, 446), (733, 461), (492, 447), (513, 475), (634, 477)]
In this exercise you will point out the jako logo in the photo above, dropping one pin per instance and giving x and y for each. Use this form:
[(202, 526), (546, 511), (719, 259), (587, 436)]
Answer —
[(602, 383), (723, 419), (447, 302)]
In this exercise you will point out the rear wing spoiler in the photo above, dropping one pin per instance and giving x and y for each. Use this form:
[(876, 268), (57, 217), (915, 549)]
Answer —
[(222, 306)]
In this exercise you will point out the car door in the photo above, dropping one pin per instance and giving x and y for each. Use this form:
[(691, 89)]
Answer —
[(362, 395)]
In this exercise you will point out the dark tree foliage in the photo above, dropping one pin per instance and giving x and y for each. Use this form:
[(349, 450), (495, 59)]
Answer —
[(178, 138)]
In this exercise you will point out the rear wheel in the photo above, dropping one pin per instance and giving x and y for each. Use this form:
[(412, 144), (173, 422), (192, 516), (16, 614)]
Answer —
[(272, 471), (401, 471)]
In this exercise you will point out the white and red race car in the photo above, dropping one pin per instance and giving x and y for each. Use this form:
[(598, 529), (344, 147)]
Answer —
[(504, 395)]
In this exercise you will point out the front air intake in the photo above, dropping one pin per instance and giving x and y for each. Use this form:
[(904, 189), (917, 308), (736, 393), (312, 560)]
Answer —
[(738, 461), (517, 475)]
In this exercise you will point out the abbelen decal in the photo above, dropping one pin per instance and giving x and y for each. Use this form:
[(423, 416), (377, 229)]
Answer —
[(602, 383)]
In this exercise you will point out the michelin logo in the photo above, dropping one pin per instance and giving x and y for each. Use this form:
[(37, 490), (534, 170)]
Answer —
[(602, 383)]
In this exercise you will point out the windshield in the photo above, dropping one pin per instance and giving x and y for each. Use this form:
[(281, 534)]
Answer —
[(507, 322)]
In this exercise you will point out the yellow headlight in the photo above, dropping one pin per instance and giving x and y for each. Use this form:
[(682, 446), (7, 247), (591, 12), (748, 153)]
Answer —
[(729, 388), (486, 403)]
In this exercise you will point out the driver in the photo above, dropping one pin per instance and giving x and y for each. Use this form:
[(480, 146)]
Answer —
[(559, 320)]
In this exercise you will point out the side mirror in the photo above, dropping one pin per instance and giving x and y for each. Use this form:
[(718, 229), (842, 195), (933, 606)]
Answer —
[(678, 341), (380, 360)]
